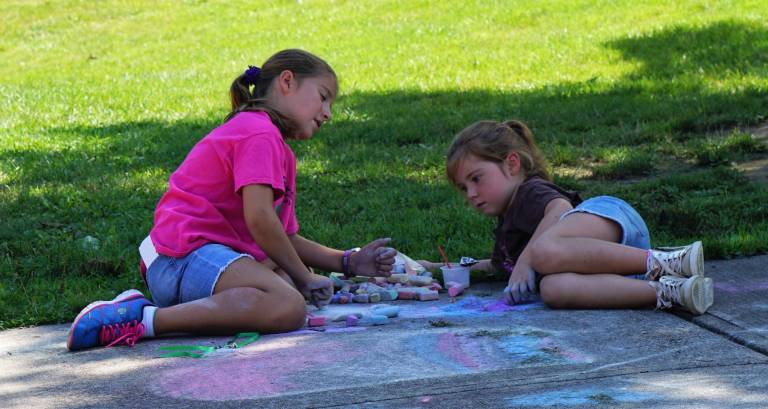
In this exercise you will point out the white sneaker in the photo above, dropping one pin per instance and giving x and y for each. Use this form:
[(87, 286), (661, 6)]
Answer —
[(695, 294), (684, 261)]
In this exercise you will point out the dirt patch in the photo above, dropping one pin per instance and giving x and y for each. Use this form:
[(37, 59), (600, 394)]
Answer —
[(760, 132), (756, 170)]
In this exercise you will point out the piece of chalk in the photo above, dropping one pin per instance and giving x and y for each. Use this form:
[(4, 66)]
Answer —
[(315, 321), (352, 320), (372, 319), (398, 278), (455, 288), (360, 298), (406, 294), (337, 281), (428, 296), (375, 297), (344, 316), (388, 295), (435, 286), (419, 280), (390, 311)]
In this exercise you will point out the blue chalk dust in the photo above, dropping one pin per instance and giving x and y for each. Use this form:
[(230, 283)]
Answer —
[(579, 396)]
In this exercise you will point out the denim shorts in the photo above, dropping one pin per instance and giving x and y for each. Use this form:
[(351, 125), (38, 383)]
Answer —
[(174, 281), (634, 231)]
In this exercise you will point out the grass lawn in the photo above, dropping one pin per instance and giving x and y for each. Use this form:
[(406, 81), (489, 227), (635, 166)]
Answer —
[(648, 100)]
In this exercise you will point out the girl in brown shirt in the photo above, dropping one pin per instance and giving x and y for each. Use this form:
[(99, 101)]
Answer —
[(590, 254)]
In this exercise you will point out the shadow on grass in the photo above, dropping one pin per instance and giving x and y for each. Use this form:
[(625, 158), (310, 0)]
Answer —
[(377, 170)]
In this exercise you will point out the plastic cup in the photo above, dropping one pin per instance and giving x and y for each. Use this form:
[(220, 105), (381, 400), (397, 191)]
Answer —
[(455, 273)]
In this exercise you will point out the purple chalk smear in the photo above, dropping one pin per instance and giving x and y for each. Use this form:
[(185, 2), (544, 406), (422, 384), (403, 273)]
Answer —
[(497, 306), (501, 306), (743, 286)]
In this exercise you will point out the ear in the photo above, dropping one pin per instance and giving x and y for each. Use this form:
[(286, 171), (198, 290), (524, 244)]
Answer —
[(286, 82), (513, 163)]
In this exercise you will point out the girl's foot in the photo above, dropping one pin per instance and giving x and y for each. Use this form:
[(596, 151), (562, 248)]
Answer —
[(695, 294), (109, 322), (685, 261)]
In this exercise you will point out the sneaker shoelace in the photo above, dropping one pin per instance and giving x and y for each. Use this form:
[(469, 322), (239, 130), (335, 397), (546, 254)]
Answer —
[(667, 293), (668, 264), (674, 259), (121, 334)]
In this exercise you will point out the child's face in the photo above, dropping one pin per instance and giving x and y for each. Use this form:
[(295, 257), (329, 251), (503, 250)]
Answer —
[(488, 186), (308, 103)]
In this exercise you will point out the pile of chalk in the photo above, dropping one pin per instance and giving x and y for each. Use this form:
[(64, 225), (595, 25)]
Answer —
[(410, 281)]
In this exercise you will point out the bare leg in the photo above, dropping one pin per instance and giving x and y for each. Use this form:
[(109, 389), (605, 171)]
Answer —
[(587, 244), (248, 297), (571, 290)]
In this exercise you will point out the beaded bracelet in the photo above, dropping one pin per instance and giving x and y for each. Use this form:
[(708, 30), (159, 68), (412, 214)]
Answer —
[(345, 260)]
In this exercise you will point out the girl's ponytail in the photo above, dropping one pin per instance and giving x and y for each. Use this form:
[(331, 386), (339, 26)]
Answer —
[(539, 164), (249, 91), (240, 93), (493, 141)]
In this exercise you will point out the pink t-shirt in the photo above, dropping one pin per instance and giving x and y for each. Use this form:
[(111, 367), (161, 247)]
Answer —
[(203, 203)]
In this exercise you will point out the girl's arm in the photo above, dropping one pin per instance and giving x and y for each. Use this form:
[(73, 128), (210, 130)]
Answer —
[(268, 233), (522, 280), (315, 254), (373, 260), (482, 265)]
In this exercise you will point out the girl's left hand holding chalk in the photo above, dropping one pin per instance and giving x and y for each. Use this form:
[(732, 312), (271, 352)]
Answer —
[(317, 289), (521, 285), (374, 259)]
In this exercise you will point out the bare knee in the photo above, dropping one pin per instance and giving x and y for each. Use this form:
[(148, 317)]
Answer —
[(546, 256), (288, 312), (556, 290), (276, 311)]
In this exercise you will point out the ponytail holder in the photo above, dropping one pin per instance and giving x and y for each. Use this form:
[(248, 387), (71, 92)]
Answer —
[(252, 74)]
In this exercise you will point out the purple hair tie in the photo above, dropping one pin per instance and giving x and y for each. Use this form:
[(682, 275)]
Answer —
[(252, 74)]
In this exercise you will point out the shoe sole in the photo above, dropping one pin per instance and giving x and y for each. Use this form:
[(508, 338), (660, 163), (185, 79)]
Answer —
[(696, 260), (124, 296), (699, 294)]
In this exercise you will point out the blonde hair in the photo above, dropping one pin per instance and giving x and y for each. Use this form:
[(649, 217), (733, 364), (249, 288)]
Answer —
[(248, 95), (494, 141)]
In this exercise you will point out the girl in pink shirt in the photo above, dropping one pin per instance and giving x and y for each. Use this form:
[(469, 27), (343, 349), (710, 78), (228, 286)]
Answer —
[(224, 254)]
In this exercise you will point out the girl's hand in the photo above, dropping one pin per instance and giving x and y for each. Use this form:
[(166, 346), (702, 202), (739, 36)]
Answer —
[(373, 260), (317, 289), (522, 284), (430, 266)]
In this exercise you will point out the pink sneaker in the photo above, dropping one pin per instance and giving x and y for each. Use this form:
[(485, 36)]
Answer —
[(109, 322)]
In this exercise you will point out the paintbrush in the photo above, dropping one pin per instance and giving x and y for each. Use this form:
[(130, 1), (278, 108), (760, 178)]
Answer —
[(445, 258)]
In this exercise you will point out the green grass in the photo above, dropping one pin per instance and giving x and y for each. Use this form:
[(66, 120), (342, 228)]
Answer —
[(100, 103)]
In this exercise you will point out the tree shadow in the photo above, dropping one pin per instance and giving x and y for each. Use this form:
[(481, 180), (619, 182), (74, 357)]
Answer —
[(377, 169), (685, 55), (717, 50)]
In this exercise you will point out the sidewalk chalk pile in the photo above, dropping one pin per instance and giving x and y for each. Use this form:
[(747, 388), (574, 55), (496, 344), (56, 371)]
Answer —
[(410, 281)]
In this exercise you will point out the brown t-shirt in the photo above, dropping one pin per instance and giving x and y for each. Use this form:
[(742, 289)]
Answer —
[(515, 228)]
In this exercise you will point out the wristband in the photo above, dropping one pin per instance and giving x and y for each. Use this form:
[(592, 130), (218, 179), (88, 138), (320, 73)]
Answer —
[(345, 261)]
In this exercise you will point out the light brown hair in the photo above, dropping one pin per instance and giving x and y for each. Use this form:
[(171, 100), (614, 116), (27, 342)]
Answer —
[(494, 141), (247, 95)]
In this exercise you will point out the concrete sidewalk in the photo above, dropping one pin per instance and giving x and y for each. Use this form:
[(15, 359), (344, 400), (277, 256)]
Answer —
[(470, 353)]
